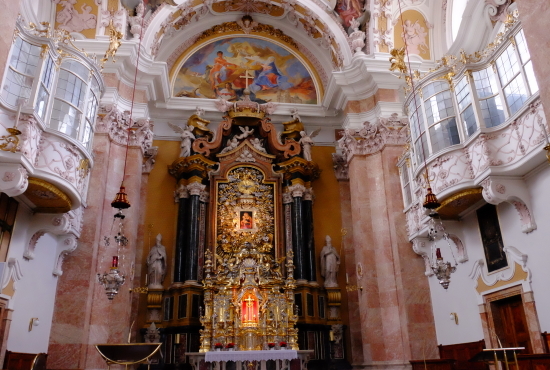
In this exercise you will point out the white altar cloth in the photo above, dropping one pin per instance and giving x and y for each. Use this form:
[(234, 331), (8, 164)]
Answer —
[(282, 354)]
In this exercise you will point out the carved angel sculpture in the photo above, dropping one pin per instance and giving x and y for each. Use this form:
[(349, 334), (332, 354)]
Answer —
[(247, 24), (246, 131), (187, 138), (307, 142), (397, 60)]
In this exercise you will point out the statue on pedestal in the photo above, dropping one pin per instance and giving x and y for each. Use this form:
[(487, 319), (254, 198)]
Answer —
[(156, 265), (307, 142), (330, 263), (187, 138)]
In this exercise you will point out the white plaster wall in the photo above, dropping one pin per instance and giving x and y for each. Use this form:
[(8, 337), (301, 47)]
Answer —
[(461, 296), (537, 244), (35, 292)]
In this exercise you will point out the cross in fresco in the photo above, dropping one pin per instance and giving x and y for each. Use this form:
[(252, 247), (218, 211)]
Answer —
[(247, 76)]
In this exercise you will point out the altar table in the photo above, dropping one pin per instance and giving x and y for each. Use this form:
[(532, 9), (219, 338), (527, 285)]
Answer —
[(247, 360)]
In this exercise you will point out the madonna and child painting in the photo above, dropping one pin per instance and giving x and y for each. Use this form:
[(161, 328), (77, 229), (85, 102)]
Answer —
[(224, 68)]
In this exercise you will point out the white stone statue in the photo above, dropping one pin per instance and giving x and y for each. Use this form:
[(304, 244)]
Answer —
[(307, 142), (156, 264), (136, 22), (330, 263), (187, 138), (257, 144), (357, 37), (231, 144), (152, 335)]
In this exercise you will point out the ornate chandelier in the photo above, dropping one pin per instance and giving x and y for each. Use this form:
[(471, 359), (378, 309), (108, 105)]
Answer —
[(440, 268), (114, 279)]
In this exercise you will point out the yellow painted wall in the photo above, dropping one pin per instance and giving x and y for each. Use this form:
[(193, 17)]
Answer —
[(161, 211), (327, 216)]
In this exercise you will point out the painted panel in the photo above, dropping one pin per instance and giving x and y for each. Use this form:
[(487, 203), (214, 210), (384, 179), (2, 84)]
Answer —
[(349, 9), (412, 28), (224, 68)]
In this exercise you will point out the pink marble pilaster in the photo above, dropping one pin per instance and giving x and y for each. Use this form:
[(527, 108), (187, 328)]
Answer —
[(369, 311), (412, 288), (84, 316), (534, 15), (533, 323), (71, 319), (139, 256), (354, 338), (395, 309)]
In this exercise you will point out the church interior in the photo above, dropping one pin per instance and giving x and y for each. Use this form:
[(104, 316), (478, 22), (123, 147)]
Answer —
[(274, 184)]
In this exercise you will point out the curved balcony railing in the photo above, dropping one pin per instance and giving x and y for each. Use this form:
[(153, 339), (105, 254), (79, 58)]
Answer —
[(473, 113), (470, 94), (47, 74), (50, 91)]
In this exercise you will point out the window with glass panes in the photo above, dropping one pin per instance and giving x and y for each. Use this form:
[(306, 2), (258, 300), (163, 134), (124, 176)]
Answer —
[(418, 130), (44, 91), (69, 101), (440, 116), (511, 79), (465, 106), (525, 58), (492, 110), (406, 183), (23, 64), (91, 111)]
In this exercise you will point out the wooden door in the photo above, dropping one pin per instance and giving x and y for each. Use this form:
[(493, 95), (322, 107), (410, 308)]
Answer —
[(510, 323)]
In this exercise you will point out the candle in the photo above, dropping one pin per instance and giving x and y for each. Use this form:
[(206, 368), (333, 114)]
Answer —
[(115, 262), (347, 278), (17, 115), (146, 279)]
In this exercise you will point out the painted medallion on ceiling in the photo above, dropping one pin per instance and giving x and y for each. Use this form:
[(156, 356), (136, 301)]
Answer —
[(349, 9), (224, 68)]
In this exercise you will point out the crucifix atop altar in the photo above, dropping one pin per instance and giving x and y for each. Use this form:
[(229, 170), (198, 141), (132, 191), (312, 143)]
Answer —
[(246, 76), (249, 310)]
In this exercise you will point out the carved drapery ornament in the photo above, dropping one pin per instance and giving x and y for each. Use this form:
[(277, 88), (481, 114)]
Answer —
[(373, 137), (122, 130)]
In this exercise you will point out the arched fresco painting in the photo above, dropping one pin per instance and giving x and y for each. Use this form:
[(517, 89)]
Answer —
[(224, 68), (414, 29)]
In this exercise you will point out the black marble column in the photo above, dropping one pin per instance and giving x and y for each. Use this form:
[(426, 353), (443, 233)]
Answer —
[(309, 242), (301, 268), (180, 235), (191, 244)]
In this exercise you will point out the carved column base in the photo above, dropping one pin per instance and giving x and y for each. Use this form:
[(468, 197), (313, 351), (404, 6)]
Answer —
[(154, 305), (334, 296)]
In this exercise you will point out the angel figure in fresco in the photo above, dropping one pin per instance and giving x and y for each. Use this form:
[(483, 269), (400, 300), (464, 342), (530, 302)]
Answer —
[(414, 36), (307, 142), (187, 138), (220, 70)]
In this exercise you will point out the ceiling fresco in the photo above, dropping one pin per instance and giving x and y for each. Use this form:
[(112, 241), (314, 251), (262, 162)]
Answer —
[(224, 68)]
